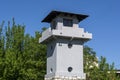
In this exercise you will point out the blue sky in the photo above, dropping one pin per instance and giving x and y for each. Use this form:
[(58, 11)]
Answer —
[(103, 21)]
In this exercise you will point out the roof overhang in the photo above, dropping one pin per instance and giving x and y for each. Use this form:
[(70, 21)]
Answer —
[(54, 14)]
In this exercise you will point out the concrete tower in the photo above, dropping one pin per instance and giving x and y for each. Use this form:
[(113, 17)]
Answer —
[(64, 40)]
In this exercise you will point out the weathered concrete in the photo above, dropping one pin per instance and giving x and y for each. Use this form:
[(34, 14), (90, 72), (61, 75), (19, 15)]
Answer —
[(64, 78), (65, 47)]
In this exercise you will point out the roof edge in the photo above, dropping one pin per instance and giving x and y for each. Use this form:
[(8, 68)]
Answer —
[(54, 13)]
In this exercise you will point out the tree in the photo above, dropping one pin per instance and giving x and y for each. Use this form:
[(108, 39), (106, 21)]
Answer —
[(97, 69), (21, 56), (2, 50)]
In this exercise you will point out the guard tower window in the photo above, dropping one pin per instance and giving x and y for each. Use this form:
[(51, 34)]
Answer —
[(68, 22), (54, 24), (69, 45)]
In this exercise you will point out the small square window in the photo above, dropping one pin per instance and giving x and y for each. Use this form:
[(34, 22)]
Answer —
[(68, 22), (70, 45)]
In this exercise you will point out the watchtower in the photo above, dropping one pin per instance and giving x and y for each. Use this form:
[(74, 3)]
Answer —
[(64, 40)]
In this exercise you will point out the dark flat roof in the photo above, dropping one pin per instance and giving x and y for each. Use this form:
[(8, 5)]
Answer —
[(53, 14)]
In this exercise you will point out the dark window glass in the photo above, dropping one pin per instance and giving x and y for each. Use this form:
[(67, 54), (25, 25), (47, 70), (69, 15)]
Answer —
[(69, 45), (68, 22), (54, 25)]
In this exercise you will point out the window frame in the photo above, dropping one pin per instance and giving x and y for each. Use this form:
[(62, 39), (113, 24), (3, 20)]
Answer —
[(67, 22)]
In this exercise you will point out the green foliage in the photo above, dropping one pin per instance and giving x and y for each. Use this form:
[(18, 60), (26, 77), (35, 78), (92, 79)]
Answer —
[(21, 56), (97, 69)]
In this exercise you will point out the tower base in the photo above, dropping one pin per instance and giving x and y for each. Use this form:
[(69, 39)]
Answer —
[(64, 78)]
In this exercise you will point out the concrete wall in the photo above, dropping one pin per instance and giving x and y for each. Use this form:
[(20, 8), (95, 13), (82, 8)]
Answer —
[(51, 57), (69, 57), (60, 57)]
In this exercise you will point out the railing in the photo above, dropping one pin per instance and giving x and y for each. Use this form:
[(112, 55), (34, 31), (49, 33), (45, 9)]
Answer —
[(70, 32), (66, 32), (46, 33)]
